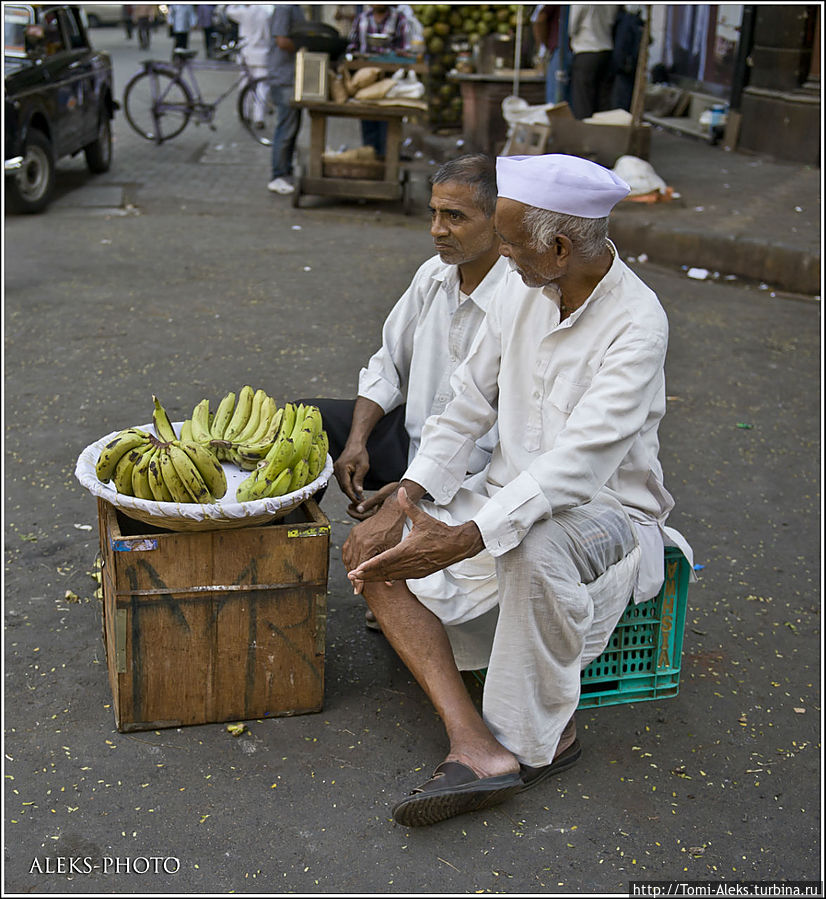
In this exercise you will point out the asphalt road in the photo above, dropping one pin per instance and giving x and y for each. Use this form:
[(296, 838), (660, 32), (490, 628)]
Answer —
[(186, 279)]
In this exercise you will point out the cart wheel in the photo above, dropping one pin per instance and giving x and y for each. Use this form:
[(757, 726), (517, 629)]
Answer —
[(407, 193), (297, 182)]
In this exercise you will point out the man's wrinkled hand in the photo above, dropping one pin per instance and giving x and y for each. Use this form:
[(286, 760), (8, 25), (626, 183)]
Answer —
[(368, 507), (430, 546), (374, 535), (350, 470)]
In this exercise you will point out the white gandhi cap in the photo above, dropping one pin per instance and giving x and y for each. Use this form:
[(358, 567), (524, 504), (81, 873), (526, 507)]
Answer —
[(560, 183)]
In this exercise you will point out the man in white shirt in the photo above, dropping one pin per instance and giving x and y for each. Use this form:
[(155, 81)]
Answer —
[(569, 516), (424, 338)]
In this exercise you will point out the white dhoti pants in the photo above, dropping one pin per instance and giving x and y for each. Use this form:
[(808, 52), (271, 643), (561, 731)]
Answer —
[(536, 617)]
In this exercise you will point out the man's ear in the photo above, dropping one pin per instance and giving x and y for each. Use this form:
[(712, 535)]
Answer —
[(563, 248)]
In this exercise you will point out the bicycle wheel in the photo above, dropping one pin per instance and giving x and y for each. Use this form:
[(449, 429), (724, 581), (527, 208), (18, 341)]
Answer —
[(257, 111), (157, 105)]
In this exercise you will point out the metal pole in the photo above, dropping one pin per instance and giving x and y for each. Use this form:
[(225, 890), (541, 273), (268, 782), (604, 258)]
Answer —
[(641, 78), (561, 73)]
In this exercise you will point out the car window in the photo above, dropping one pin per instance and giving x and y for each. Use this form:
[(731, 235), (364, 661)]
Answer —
[(53, 33), (73, 31), (15, 20)]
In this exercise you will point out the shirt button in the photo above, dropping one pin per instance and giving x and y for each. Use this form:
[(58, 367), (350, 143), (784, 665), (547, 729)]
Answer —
[(536, 394)]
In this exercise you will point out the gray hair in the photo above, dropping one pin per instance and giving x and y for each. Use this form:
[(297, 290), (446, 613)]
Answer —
[(587, 235), (475, 169)]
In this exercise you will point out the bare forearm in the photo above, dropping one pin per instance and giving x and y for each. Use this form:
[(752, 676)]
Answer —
[(366, 415)]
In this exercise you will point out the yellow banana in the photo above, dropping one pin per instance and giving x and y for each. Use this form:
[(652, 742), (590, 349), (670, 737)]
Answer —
[(255, 417), (287, 421), (157, 486), (186, 430), (189, 474), (256, 486), (299, 476), (241, 414), (122, 476), (222, 416), (127, 440), (252, 453), (200, 423), (266, 421), (163, 426), (172, 479), (208, 467), (281, 484), (140, 475)]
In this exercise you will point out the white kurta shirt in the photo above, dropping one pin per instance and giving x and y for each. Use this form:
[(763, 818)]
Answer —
[(578, 404), (424, 339)]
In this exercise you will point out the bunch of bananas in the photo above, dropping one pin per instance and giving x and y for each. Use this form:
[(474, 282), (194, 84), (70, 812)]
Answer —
[(241, 432), (295, 458), (160, 466)]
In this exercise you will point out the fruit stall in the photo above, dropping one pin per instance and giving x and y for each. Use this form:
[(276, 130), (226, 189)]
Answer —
[(214, 559)]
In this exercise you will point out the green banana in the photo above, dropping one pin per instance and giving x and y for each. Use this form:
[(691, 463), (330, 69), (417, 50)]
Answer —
[(222, 416), (299, 475), (276, 462), (315, 463), (208, 467), (323, 443), (281, 484), (302, 441), (254, 419), (186, 430), (287, 421), (172, 479), (298, 424), (189, 474), (163, 426), (313, 419), (122, 475), (157, 485), (200, 423), (127, 440), (241, 415), (243, 493)]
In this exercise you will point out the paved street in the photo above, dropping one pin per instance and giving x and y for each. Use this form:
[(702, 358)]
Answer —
[(176, 273)]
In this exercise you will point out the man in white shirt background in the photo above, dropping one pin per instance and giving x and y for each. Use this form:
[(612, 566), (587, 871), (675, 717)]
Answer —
[(424, 338), (569, 517), (590, 33)]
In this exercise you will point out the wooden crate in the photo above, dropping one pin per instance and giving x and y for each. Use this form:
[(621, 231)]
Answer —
[(218, 625)]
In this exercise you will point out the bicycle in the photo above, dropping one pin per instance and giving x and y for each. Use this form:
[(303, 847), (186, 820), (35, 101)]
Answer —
[(159, 102)]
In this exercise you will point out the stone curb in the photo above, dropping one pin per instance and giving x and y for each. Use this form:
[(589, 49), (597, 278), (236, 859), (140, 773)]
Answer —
[(778, 265)]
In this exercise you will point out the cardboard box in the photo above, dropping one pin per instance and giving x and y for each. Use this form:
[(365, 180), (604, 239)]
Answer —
[(603, 144), (527, 140), (216, 625)]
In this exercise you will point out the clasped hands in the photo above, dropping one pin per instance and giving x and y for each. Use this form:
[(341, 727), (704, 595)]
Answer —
[(375, 551)]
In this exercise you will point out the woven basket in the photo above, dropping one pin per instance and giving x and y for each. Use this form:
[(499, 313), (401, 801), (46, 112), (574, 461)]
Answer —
[(225, 513)]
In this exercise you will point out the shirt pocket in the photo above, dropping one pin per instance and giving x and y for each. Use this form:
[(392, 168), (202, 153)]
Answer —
[(565, 394)]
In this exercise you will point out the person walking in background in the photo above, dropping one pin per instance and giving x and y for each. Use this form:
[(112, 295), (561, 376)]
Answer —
[(253, 20), (205, 11), (390, 21), (628, 30), (545, 22), (590, 31), (143, 18), (182, 19), (281, 74), (126, 12)]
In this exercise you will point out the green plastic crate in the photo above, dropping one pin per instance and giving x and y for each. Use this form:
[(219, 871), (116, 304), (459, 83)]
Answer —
[(643, 657)]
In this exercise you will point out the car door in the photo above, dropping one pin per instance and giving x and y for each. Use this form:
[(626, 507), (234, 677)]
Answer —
[(68, 74)]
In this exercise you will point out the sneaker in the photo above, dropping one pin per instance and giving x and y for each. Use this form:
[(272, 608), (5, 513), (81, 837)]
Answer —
[(280, 186)]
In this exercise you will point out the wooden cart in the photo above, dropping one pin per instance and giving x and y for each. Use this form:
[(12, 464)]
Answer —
[(394, 185)]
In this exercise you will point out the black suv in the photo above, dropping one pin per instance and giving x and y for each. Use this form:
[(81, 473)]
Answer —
[(59, 100)]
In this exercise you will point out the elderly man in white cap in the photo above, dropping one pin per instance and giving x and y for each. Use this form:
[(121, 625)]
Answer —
[(528, 572)]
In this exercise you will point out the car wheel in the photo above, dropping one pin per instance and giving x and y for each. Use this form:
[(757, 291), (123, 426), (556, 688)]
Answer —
[(30, 189), (99, 152)]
